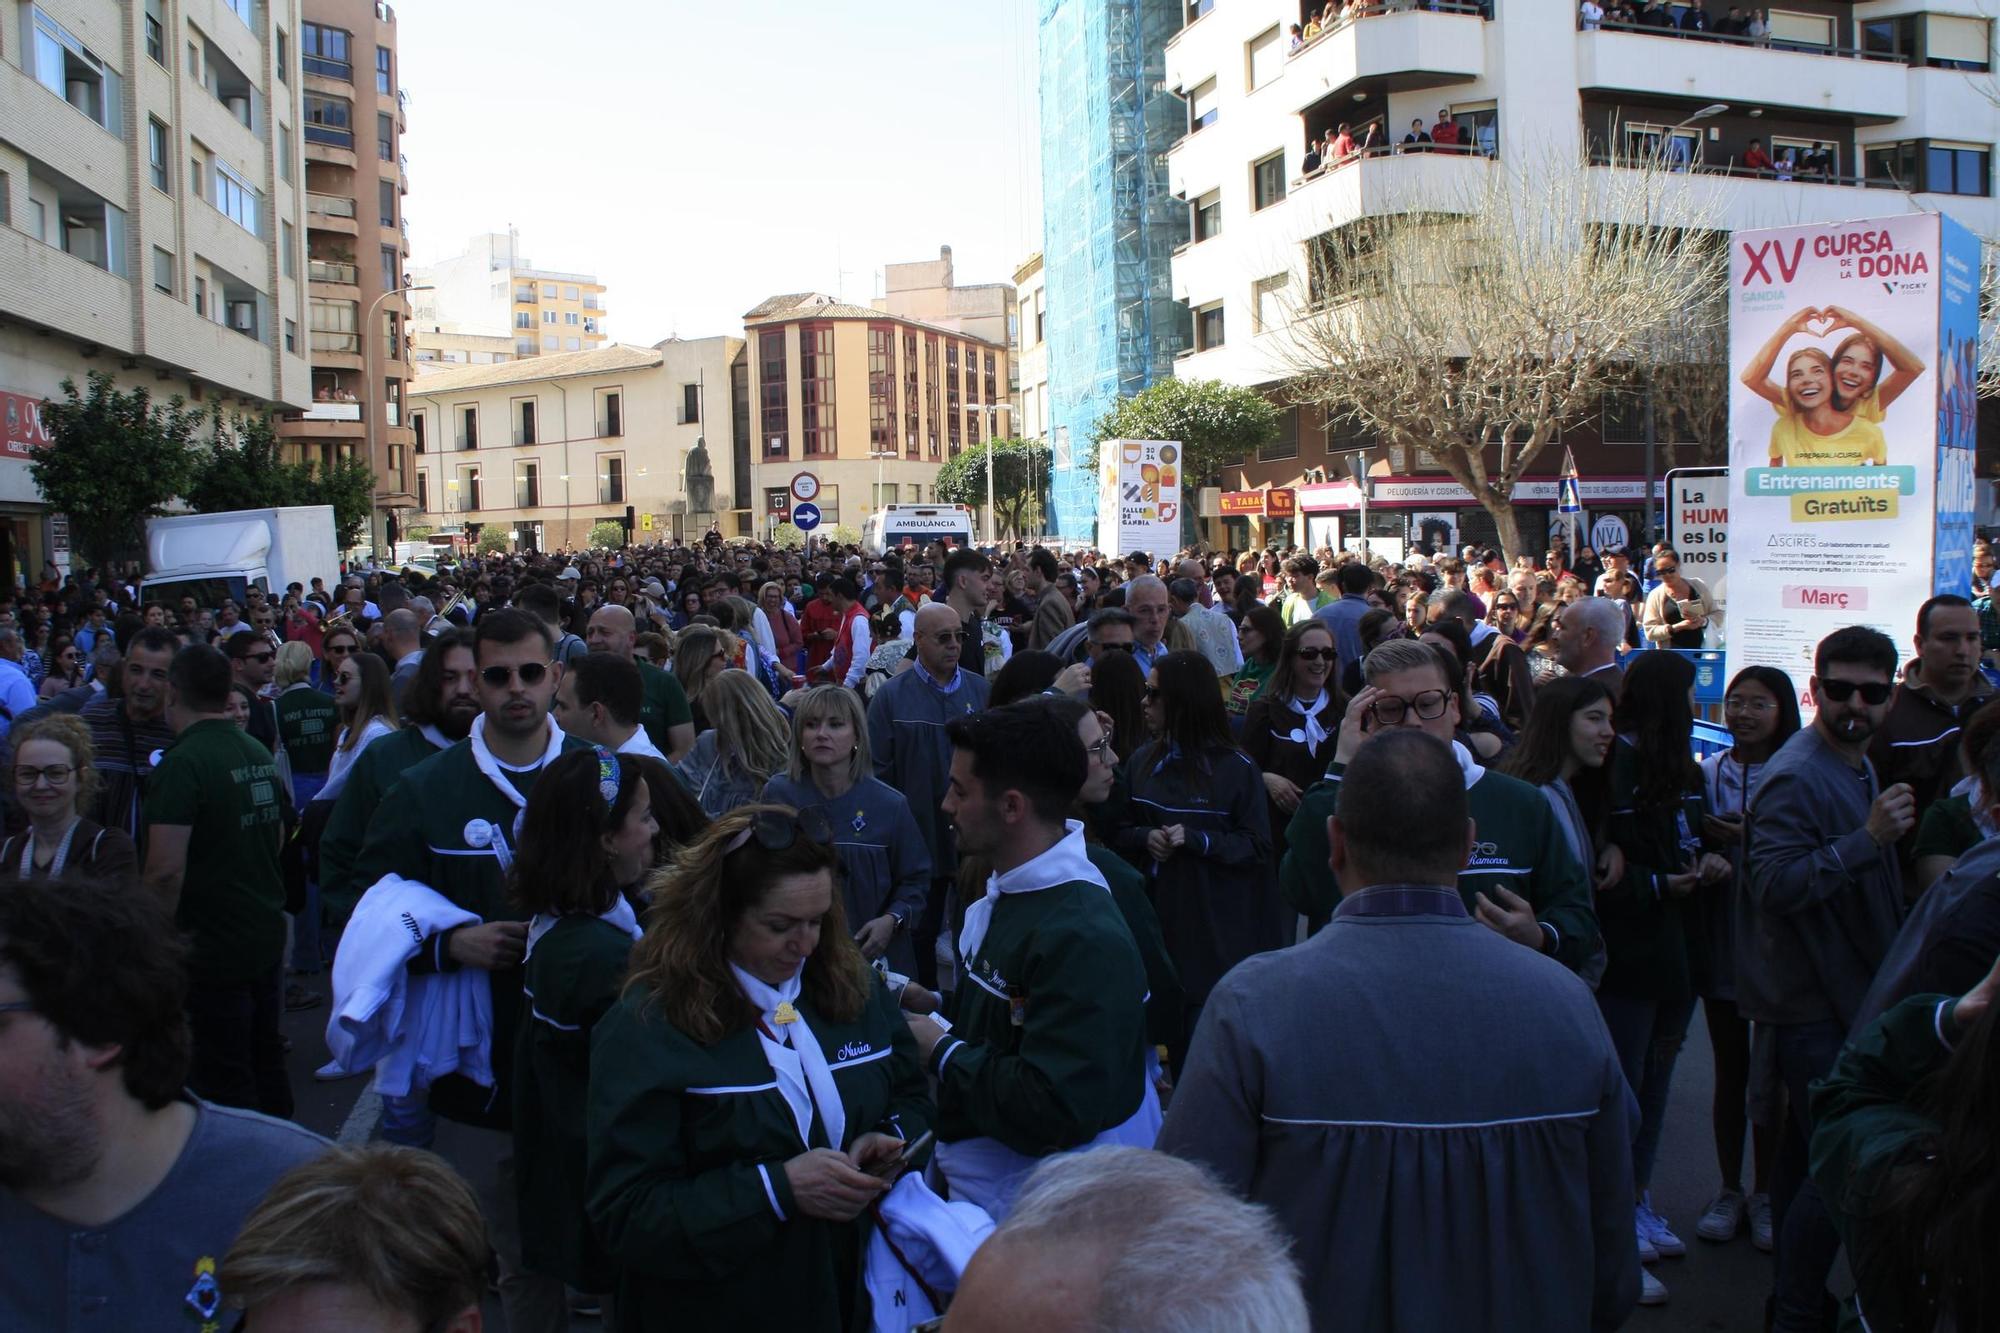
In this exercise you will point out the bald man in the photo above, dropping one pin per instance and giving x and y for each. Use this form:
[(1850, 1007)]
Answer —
[(403, 641), (663, 709)]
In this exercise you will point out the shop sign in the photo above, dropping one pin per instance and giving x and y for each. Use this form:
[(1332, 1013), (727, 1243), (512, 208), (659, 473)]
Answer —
[(1239, 503), (25, 432)]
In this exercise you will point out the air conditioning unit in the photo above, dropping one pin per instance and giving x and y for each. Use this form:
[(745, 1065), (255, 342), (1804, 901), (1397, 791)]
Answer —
[(243, 316)]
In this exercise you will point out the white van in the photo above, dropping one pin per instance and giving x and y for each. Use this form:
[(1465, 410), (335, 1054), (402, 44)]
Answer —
[(891, 526)]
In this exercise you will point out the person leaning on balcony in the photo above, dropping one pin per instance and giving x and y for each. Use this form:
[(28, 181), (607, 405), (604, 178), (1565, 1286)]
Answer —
[(1445, 134), (1298, 40), (1656, 15), (1418, 139), (1732, 24), (1756, 159), (1591, 15)]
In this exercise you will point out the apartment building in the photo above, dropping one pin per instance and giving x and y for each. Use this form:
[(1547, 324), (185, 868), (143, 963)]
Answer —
[(437, 348), (870, 403), (546, 446), (150, 217), (357, 248), (1031, 360), (1894, 94), (492, 289)]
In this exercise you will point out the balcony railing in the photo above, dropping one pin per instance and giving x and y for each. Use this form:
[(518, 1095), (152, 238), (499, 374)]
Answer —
[(331, 136), (325, 68), (329, 205), (320, 270), (326, 340), (1358, 13), (1765, 42), (1738, 171)]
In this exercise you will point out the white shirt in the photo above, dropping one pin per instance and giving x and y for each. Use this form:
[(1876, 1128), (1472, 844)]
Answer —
[(343, 759), (639, 743), (858, 668)]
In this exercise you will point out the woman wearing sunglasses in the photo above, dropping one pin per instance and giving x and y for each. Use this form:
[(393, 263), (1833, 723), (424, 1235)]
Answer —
[(1676, 612), (1200, 824), (700, 655), (587, 844), (53, 778), (336, 646), (367, 714), (751, 1071), (1288, 730)]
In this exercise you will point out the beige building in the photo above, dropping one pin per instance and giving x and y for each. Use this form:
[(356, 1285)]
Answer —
[(150, 216), (870, 403), (491, 289), (547, 446), (438, 349), (357, 245), (1032, 359)]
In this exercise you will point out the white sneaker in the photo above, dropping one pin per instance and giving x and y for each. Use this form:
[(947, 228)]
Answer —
[(1760, 1222), (1647, 1254), (331, 1072), (1664, 1240), (1652, 1291), (1723, 1219)]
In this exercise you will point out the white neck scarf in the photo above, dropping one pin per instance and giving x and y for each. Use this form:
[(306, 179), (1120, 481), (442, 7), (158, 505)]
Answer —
[(491, 767), (619, 914), (1467, 765), (795, 1057), (1064, 862), (1312, 733)]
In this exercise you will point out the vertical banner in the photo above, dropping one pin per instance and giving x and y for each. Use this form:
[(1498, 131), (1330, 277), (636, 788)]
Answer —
[(1139, 507), (1852, 349), (1698, 530)]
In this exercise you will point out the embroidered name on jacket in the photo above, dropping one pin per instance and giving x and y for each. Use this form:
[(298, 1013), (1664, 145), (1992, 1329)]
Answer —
[(1487, 856), (853, 1050)]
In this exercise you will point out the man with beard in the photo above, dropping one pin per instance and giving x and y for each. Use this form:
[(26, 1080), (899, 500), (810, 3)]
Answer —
[(1820, 905), (119, 1192), (128, 731), (438, 710)]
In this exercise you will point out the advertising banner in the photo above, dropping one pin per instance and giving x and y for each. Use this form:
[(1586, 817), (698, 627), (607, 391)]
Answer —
[(1698, 530), (1139, 503), (25, 433), (1852, 349)]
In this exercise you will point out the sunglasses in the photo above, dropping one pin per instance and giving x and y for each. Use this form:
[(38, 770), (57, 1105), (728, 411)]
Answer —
[(531, 673), (1120, 647), (1316, 654), (1666, 569), (1506, 606), (776, 830), (1873, 692), (339, 649), (259, 657), (948, 636), (1151, 692)]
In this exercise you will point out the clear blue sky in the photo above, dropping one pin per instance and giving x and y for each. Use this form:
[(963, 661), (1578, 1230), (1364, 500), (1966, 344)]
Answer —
[(701, 156)]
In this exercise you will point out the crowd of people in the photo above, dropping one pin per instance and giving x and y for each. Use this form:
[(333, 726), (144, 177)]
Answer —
[(987, 939), (1677, 17)]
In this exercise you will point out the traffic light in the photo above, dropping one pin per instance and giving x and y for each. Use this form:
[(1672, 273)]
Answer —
[(631, 520)]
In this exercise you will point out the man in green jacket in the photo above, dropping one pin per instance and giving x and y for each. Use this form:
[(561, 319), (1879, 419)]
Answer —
[(1522, 879), (1047, 1051)]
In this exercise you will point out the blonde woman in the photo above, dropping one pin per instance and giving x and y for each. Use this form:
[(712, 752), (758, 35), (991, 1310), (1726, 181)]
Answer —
[(700, 655), (53, 779), (746, 743), (885, 867)]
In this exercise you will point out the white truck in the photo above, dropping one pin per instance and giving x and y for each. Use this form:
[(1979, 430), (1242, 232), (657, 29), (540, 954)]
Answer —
[(892, 525), (213, 556)]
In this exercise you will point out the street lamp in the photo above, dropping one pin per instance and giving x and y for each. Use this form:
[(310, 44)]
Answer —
[(991, 408), (369, 373)]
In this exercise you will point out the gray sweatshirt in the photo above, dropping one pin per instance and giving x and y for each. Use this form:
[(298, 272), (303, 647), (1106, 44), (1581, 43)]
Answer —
[(1821, 902)]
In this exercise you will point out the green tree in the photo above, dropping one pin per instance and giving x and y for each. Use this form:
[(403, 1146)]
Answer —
[(349, 486), (607, 534), (243, 467), (1020, 471), (1217, 424), (493, 540), (114, 460)]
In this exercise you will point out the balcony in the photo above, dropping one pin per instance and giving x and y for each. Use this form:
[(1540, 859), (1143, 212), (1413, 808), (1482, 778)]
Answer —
[(332, 412), (334, 343), (321, 270), (1825, 80), (1387, 52), (330, 212)]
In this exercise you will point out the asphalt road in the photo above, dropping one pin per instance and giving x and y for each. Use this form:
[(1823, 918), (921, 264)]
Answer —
[(1715, 1289)]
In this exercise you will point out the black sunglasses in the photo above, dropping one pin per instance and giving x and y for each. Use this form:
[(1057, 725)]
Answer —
[(1873, 692), (1316, 654), (1666, 569), (1121, 647), (531, 673), (775, 830)]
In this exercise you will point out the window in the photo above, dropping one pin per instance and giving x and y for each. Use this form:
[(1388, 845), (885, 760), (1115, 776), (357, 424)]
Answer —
[(1479, 126), (611, 479), (1955, 41), (1952, 169), (324, 51), (690, 404), (156, 33), (1622, 418), (1929, 167), (156, 154), (548, 291), (235, 200), (382, 80), (570, 317), (572, 344), (572, 294), (417, 428), (285, 153), (423, 484), (910, 396), (1208, 328), (201, 297), (1196, 8), (468, 428), (287, 243), (1264, 58), (881, 390), (551, 343), (68, 68), (774, 402), (1789, 28), (468, 488), (292, 336), (524, 431), (1207, 216), (613, 422), (329, 120), (1201, 107), (952, 399), (523, 320), (197, 172), (163, 270), (527, 485), (816, 389), (385, 193), (334, 325), (284, 57), (385, 136), (884, 494), (931, 395), (243, 9), (971, 429), (1286, 445), (1267, 180), (1268, 302), (1342, 263), (548, 317), (1895, 36), (828, 501), (391, 279), (989, 379)]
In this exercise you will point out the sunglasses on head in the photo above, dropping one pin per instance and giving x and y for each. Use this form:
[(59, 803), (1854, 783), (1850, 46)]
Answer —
[(1873, 692), (531, 673), (775, 830)]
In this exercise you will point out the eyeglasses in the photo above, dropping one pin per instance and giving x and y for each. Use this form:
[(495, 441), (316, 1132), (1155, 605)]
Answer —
[(55, 775), (1151, 692), (1101, 751), (775, 830), (1389, 711), (1666, 569), (531, 673), (1316, 654), (1735, 705), (947, 636), (1127, 647), (1873, 692)]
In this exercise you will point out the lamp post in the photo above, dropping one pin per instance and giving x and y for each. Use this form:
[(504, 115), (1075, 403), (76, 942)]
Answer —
[(991, 408), (369, 372), (1660, 156)]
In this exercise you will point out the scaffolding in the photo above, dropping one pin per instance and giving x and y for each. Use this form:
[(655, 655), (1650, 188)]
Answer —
[(1109, 224)]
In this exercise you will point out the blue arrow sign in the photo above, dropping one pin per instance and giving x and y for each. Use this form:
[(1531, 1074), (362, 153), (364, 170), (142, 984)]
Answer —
[(805, 517)]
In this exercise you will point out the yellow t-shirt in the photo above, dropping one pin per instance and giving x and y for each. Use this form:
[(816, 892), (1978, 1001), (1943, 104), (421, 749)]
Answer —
[(1794, 445), (1869, 407)]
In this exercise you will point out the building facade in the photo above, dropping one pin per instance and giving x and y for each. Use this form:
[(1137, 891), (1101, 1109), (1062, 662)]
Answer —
[(435, 349), (151, 217), (1031, 361), (869, 403), (492, 290), (1108, 225), (547, 446), (357, 248), (1896, 99)]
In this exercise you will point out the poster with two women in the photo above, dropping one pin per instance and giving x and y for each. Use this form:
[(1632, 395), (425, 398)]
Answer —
[(1853, 348)]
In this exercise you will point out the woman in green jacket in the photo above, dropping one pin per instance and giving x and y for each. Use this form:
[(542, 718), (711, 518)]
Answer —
[(1906, 1153), (587, 841), (750, 1075)]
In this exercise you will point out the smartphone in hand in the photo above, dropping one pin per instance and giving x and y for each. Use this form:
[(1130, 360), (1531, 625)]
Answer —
[(889, 1168)]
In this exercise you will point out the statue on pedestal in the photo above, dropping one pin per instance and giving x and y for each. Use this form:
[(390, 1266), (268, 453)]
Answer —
[(699, 481)]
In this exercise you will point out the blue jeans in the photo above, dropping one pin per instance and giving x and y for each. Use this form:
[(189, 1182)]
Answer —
[(409, 1121), (1807, 1242), (1647, 1035)]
